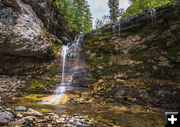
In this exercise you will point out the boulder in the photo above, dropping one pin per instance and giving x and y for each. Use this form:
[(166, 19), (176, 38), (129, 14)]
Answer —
[(34, 112), (20, 109), (6, 117)]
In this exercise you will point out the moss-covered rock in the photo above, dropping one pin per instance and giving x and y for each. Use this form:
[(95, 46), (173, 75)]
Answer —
[(131, 63)]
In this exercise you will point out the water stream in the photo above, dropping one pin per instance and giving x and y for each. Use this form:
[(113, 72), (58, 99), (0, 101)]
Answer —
[(118, 25), (153, 15), (69, 53)]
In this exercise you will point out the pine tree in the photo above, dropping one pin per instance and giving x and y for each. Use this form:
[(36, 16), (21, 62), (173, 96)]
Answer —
[(114, 10), (77, 14), (88, 18), (101, 22), (83, 16)]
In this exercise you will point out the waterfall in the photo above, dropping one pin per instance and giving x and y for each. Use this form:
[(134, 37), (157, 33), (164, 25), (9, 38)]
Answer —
[(64, 55), (114, 28), (119, 28), (117, 25), (153, 15), (69, 51)]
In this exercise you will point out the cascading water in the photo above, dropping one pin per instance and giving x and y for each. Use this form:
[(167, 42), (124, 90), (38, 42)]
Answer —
[(117, 25), (64, 55), (114, 28), (119, 28), (68, 51), (153, 15)]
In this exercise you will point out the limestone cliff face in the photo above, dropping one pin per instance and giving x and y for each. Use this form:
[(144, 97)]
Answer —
[(52, 17), (27, 44), (137, 60), (24, 42)]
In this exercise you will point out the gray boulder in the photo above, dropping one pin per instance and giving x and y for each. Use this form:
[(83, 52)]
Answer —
[(6, 117), (34, 112), (20, 109)]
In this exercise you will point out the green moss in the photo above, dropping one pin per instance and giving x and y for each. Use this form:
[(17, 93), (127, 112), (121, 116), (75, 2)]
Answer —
[(134, 50), (172, 52), (104, 37), (164, 72), (160, 42), (37, 85), (114, 69), (55, 48), (145, 31), (139, 56), (131, 26), (125, 34), (95, 74), (145, 67), (52, 70), (57, 41)]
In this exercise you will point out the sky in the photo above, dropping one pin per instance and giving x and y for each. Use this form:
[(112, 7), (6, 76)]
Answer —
[(99, 8)]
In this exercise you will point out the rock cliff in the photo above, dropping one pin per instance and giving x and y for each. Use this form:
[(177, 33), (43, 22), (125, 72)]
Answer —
[(137, 60), (29, 32)]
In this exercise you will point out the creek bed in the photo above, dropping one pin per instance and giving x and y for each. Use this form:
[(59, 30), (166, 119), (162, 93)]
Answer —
[(103, 115)]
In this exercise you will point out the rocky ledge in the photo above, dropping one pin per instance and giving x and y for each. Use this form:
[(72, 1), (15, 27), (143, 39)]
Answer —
[(21, 116)]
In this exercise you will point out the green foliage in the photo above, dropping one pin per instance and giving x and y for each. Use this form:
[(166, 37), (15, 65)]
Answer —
[(101, 22), (77, 14), (138, 6), (114, 10)]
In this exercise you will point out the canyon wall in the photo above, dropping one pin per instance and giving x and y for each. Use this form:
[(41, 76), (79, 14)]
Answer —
[(136, 61), (31, 34)]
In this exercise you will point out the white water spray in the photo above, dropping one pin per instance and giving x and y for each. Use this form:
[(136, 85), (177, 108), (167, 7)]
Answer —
[(119, 28), (114, 28), (58, 93), (153, 15), (71, 51), (64, 55)]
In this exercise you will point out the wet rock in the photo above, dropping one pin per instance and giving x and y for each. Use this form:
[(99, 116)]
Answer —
[(30, 118), (18, 123), (121, 76), (45, 120), (163, 61), (10, 110), (58, 121), (20, 109), (19, 115), (6, 117), (54, 117), (50, 114), (42, 121), (34, 112), (65, 39), (49, 125), (155, 68)]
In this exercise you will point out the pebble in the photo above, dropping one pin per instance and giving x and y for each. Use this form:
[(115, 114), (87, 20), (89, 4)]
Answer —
[(34, 118), (19, 115)]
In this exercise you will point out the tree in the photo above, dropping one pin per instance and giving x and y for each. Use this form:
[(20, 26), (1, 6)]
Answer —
[(77, 14), (88, 18), (83, 16), (114, 10), (138, 6), (101, 22)]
